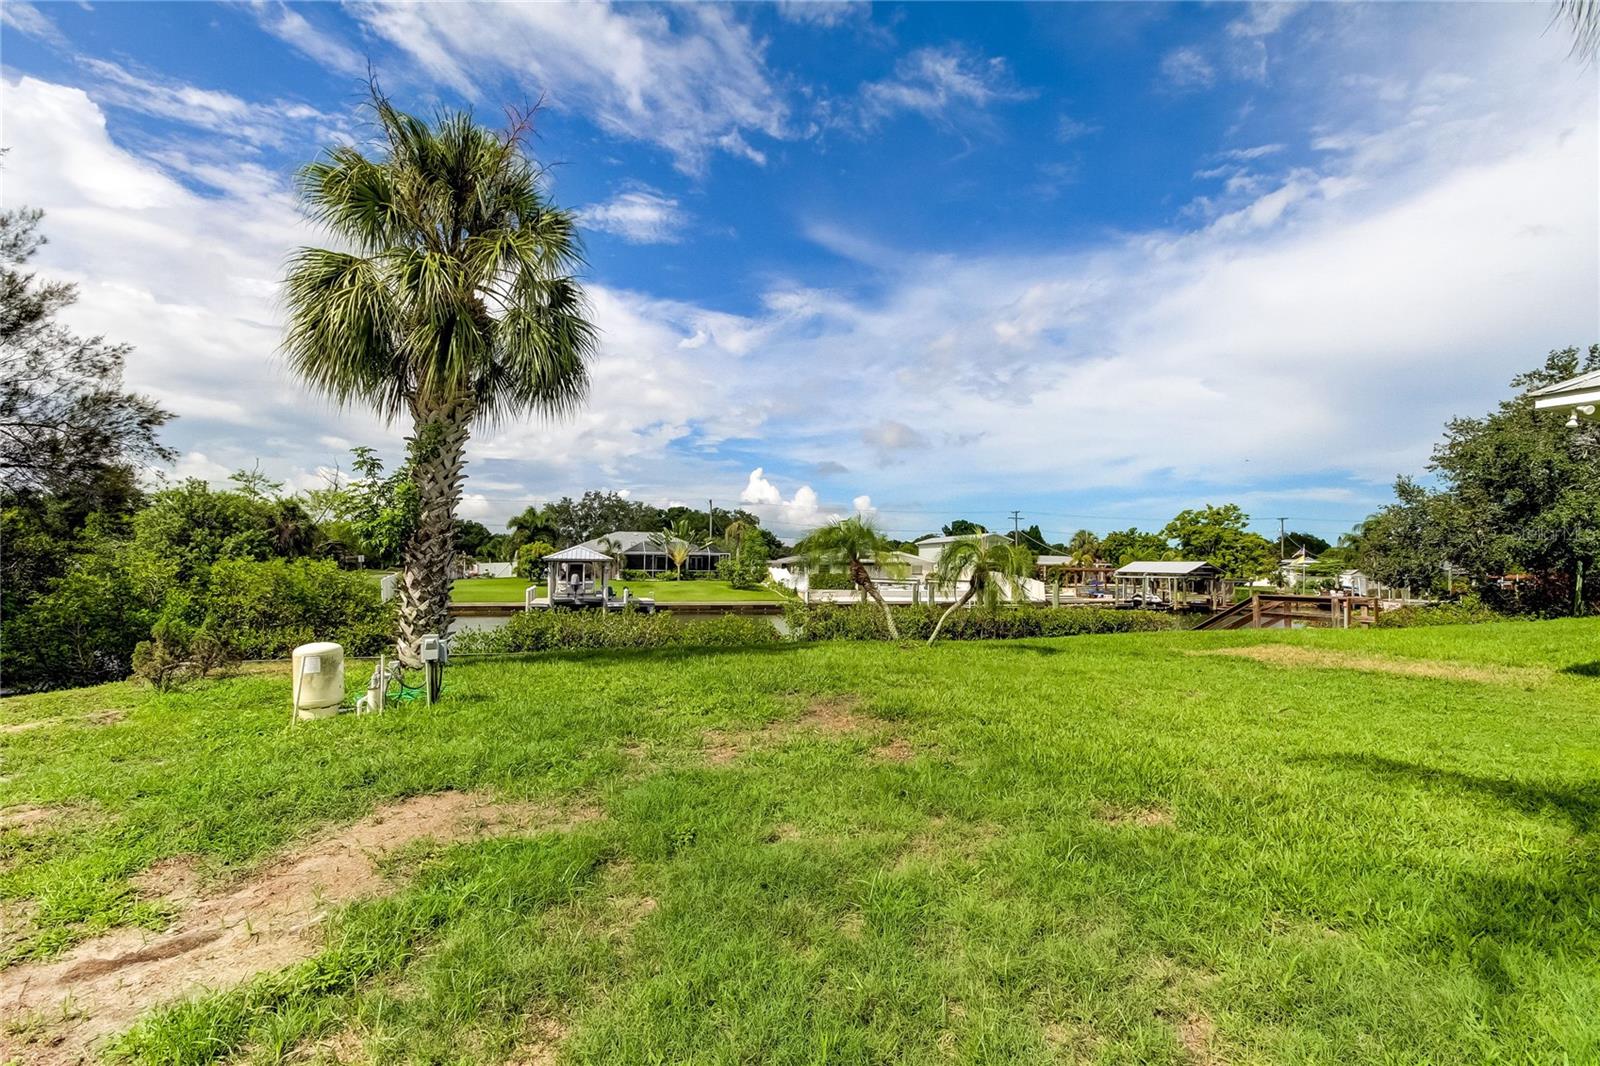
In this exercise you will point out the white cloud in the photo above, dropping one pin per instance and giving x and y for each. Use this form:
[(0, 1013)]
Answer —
[(1186, 68), (691, 79), (940, 84), (826, 13), (1069, 129), (217, 112), (291, 27), (26, 18), (758, 490), (639, 214), (1258, 151), (863, 504)]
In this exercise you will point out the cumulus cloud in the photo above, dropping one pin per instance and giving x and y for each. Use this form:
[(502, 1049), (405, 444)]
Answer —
[(640, 215), (758, 490), (691, 79)]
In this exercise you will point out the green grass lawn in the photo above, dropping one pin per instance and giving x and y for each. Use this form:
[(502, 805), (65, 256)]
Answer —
[(706, 590), (1342, 847)]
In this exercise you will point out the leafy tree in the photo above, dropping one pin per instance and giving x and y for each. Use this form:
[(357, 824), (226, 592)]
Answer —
[(1294, 540), (1407, 544), (854, 544), (530, 560), (192, 525), (64, 415), (989, 570), (1124, 546), (472, 537), (453, 306), (1519, 491), (962, 528), (1218, 536)]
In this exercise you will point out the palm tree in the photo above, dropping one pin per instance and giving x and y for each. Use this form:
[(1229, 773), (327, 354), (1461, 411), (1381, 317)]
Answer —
[(1583, 16), (855, 544), (676, 543), (1084, 547), (989, 570), (449, 300), (733, 535)]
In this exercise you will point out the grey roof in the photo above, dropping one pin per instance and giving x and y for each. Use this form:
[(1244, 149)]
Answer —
[(1052, 560), (1168, 568), (1591, 380), (578, 553), (635, 542)]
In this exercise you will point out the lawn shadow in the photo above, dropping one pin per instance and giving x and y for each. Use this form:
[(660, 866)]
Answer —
[(1591, 669), (607, 657), (1035, 649), (1580, 803)]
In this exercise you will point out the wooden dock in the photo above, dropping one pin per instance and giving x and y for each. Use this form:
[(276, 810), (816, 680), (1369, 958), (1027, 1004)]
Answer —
[(1282, 610)]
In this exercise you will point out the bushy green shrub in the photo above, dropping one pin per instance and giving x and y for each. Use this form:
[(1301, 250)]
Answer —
[(558, 630), (834, 580), (178, 651), (744, 573), (262, 610), (1465, 611), (635, 575), (865, 622)]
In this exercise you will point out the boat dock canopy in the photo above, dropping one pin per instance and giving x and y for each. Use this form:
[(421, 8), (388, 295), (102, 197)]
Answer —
[(1172, 568)]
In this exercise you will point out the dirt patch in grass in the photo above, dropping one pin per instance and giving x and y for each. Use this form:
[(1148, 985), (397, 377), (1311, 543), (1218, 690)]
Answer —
[(65, 1007), (540, 1043), (897, 750), (110, 716), (1197, 1035), (1141, 817), (828, 715), (28, 817), (1294, 655)]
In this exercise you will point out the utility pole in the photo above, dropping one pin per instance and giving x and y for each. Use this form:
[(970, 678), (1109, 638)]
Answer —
[(711, 522), (1016, 517), (1282, 569)]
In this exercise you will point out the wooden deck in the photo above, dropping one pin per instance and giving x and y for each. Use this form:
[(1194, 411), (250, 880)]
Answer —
[(1282, 610)]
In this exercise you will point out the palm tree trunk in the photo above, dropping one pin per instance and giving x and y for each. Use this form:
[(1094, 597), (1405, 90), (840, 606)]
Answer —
[(437, 468), (863, 580), (950, 610)]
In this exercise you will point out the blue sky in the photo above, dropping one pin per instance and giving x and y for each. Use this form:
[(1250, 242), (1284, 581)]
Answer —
[(1095, 262)]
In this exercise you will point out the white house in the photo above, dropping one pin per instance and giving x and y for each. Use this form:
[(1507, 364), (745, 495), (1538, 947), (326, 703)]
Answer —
[(640, 551)]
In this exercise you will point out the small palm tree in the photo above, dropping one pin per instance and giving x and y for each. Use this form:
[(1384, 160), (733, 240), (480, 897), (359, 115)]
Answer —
[(989, 570), (1084, 548), (448, 300), (734, 536), (855, 544), (677, 543)]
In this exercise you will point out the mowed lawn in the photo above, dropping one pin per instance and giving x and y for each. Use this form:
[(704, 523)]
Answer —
[(704, 590), (1317, 847)]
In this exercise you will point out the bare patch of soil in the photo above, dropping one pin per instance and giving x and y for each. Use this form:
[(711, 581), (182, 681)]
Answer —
[(110, 716), (1197, 1036), (1143, 817), (540, 1044), (897, 750), (265, 922), (1294, 655), (828, 715), (27, 817)]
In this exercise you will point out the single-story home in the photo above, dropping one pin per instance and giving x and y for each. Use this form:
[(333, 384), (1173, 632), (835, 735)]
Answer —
[(641, 551)]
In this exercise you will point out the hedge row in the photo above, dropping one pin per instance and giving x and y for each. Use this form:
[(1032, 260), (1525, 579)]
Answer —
[(1468, 610), (865, 622), (552, 630)]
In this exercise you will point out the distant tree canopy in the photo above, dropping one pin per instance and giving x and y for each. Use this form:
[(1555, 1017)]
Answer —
[(1518, 492), (1218, 536), (961, 528), (566, 521), (1294, 540), (1123, 546)]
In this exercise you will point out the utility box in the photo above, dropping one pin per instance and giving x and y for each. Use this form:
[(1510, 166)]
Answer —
[(318, 680), (434, 651)]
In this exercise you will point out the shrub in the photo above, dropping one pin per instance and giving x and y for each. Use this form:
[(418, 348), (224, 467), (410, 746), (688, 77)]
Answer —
[(813, 622), (177, 651), (262, 610), (547, 630), (1465, 611), (831, 580), (530, 564), (634, 575), (746, 573)]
